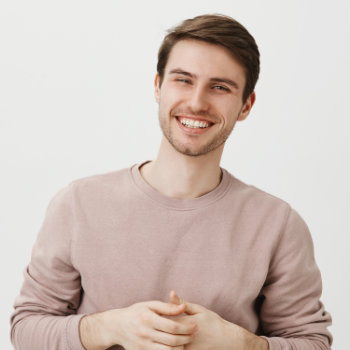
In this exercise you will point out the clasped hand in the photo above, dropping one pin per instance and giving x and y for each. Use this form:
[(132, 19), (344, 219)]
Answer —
[(177, 326), (155, 325), (212, 333)]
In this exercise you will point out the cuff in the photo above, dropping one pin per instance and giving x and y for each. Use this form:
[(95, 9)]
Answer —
[(72, 332), (276, 343)]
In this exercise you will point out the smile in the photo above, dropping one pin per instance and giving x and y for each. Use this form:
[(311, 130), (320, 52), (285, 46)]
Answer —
[(194, 124)]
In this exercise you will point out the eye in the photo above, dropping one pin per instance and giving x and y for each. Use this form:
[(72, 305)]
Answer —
[(183, 80), (221, 88)]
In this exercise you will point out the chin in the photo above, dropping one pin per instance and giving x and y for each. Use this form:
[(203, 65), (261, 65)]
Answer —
[(193, 152)]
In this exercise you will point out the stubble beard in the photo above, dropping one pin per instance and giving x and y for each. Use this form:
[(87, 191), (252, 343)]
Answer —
[(213, 144)]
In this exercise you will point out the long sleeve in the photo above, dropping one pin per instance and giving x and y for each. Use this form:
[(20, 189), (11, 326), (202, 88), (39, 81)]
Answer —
[(292, 316), (45, 311)]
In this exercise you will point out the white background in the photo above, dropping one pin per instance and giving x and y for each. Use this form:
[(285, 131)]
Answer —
[(76, 98)]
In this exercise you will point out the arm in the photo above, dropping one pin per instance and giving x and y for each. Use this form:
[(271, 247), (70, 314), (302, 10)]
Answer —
[(45, 311), (292, 315)]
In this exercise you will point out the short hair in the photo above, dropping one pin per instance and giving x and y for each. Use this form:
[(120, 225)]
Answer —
[(220, 30)]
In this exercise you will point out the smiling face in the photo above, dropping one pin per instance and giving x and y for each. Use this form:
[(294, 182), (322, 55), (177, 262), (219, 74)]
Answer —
[(200, 98)]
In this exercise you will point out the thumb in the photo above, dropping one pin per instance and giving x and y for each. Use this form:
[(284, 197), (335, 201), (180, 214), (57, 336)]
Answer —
[(174, 298), (191, 309)]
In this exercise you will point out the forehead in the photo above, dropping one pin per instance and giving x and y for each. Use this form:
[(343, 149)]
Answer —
[(205, 60)]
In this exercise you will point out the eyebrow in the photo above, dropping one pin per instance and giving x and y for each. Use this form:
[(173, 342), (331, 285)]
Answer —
[(218, 80)]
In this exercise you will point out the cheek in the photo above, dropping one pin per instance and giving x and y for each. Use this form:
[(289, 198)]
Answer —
[(170, 100), (234, 109), (231, 116)]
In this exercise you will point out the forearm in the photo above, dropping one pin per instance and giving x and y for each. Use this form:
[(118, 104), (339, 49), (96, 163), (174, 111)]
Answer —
[(243, 339), (42, 332), (254, 342), (93, 330), (314, 343)]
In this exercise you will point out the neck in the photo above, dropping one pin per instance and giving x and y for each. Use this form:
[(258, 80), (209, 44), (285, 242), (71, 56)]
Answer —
[(180, 176)]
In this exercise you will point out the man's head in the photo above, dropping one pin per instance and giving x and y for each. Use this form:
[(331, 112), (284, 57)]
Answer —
[(219, 30), (207, 70)]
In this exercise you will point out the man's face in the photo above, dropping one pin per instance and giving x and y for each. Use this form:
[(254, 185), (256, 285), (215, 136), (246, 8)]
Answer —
[(200, 98)]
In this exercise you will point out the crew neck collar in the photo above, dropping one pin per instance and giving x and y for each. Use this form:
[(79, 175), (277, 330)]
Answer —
[(175, 203)]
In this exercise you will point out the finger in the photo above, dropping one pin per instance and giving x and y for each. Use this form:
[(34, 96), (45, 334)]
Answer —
[(170, 339), (174, 298), (157, 346), (172, 326), (166, 309)]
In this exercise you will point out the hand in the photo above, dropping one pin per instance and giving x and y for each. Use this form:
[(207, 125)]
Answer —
[(212, 329), (216, 333), (137, 327)]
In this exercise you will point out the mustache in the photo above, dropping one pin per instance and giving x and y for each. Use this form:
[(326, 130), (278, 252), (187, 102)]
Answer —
[(186, 112)]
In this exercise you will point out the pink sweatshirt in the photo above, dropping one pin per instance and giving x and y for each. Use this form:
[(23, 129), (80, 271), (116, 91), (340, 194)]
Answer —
[(109, 241)]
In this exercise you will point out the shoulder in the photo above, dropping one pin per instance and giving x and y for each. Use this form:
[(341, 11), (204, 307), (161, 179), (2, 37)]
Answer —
[(254, 199), (100, 181), (266, 209), (93, 189), (278, 220)]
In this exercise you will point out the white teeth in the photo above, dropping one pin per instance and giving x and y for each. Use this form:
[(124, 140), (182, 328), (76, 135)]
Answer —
[(193, 123)]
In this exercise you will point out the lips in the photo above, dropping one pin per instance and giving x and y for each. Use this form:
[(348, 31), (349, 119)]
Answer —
[(194, 123), (193, 126), (193, 120)]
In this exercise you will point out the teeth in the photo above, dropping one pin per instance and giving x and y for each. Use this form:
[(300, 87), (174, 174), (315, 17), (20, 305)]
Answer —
[(193, 123)]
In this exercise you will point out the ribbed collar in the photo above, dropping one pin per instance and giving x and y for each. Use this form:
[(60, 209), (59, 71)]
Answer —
[(180, 204)]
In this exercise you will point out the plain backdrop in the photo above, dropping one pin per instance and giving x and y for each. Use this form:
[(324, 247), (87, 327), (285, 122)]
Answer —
[(76, 99)]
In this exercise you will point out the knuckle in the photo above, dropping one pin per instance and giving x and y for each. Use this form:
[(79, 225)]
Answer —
[(142, 332), (173, 328), (173, 341), (143, 317)]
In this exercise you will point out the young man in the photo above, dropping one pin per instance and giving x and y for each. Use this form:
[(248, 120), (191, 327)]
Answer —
[(118, 251)]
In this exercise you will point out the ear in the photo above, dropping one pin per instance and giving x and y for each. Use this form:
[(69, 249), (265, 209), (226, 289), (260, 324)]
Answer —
[(157, 88), (247, 107)]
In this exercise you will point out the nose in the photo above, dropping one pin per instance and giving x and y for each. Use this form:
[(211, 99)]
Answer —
[(199, 101)]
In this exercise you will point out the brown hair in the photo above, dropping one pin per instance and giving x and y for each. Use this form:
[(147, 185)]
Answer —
[(219, 30)]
